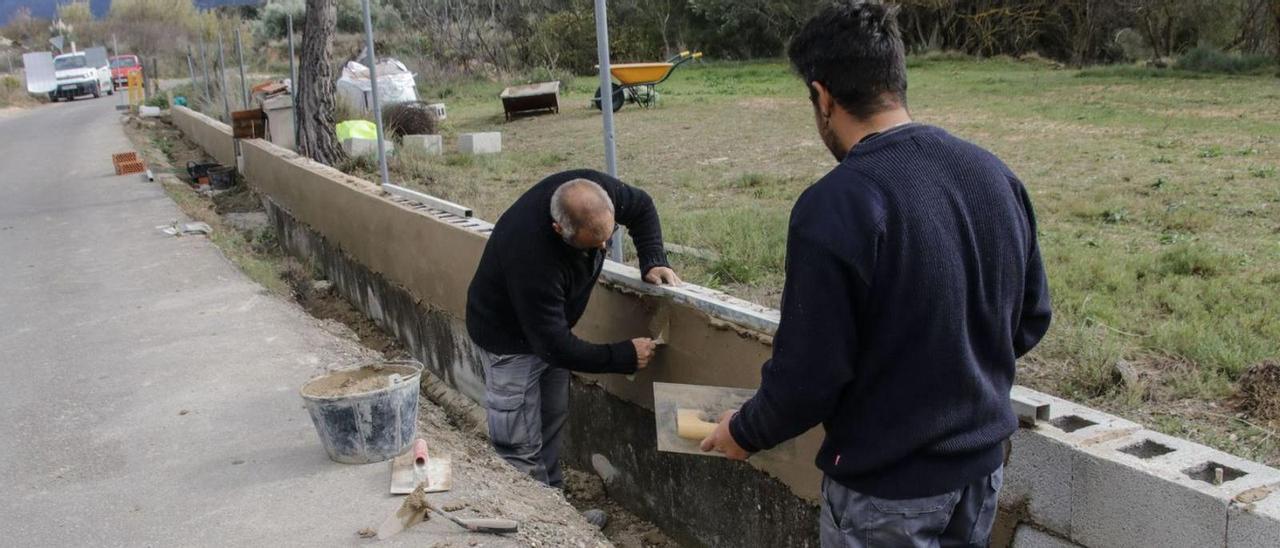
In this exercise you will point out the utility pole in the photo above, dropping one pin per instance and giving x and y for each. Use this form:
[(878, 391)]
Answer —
[(191, 68)]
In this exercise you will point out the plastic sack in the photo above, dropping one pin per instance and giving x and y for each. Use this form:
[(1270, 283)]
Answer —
[(357, 129), (395, 84)]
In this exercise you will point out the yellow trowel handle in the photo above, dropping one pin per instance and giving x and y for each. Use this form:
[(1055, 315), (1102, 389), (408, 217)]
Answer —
[(690, 426)]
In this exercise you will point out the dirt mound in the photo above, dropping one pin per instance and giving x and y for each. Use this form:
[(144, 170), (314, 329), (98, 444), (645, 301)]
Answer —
[(1258, 392)]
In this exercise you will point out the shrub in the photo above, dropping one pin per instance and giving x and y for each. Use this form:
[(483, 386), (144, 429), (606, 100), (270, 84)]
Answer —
[(1205, 59)]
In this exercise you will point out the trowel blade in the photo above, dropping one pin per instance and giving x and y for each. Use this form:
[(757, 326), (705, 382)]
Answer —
[(660, 325), (711, 401)]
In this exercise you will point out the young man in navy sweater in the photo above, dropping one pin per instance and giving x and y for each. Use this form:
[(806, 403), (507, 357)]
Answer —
[(913, 284)]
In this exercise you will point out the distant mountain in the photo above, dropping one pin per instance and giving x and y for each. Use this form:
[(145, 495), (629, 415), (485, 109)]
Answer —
[(47, 8)]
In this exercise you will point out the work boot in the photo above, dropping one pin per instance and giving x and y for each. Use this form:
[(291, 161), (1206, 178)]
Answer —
[(596, 517)]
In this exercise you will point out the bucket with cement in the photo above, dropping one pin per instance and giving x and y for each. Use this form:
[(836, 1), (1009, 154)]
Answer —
[(368, 414), (222, 177)]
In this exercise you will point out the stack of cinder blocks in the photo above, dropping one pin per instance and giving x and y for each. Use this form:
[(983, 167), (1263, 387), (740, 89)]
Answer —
[(127, 162), (1093, 479)]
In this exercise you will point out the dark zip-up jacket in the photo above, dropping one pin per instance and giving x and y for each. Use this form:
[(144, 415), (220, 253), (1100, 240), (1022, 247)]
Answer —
[(531, 287)]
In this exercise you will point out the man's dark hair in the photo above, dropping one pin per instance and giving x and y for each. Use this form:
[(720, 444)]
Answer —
[(854, 49)]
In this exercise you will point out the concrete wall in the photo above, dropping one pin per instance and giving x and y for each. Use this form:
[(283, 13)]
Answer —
[(1077, 478), (213, 136)]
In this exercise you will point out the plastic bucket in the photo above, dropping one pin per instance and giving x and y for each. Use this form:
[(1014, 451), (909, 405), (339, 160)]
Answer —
[(222, 177), (365, 415)]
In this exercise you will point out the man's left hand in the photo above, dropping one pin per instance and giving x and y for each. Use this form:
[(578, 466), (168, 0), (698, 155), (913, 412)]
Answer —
[(722, 440), (661, 275)]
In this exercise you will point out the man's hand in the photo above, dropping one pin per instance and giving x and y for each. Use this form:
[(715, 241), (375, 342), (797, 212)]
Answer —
[(722, 440), (661, 275), (644, 351)]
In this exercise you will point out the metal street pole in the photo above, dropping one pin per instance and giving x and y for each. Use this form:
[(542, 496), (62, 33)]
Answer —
[(373, 87), (244, 86), (204, 60), (606, 109), (222, 77), (293, 83)]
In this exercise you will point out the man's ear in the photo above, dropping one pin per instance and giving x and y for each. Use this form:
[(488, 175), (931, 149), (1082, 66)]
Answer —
[(822, 99), (556, 227)]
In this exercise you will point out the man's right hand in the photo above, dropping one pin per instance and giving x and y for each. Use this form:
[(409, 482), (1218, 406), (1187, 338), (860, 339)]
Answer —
[(644, 351)]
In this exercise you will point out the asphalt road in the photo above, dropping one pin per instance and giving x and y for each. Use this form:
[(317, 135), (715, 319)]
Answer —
[(110, 330)]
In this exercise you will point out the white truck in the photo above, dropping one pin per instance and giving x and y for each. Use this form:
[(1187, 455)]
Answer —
[(75, 77)]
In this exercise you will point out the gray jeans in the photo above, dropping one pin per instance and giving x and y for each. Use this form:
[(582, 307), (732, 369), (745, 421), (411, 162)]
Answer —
[(528, 402), (960, 518)]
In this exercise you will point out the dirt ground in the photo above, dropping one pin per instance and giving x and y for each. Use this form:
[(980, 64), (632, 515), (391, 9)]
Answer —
[(484, 484)]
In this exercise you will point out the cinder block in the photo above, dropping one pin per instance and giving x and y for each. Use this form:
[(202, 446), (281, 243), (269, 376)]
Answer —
[(432, 144), (1133, 491), (365, 147), (480, 143), (1255, 524), (1029, 537), (1040, 464)]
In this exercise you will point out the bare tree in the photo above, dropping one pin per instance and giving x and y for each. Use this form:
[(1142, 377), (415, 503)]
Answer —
[(314, 99), (1275, 13)]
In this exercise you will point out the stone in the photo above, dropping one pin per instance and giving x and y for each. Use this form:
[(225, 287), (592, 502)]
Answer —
[(480, 143), (364, 147), (432, 144)]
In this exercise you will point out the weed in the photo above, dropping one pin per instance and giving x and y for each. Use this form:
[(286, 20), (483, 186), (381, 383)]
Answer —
[(1262, 172)]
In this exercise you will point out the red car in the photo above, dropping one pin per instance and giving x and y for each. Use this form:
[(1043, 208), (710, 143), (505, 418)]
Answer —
[(121, 66)]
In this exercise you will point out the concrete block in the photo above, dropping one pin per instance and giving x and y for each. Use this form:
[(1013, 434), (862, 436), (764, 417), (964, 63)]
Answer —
[(1029, 537), (364, 147), (1255, 524), (1039, 475), (1148, 489), (1040, 465), (480, 143), (432, 144)]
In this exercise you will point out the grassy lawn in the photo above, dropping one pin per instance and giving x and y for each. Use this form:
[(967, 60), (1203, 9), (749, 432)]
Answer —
[(1158, 198)]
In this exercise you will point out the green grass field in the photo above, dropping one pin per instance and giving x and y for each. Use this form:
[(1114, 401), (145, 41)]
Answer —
[(1158, 196)]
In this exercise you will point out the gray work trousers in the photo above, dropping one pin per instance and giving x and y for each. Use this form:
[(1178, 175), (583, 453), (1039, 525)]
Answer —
[(528, 402), (960, 518)]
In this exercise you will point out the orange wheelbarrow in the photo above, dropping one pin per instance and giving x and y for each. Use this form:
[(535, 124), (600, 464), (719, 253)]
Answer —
[(636, 81)]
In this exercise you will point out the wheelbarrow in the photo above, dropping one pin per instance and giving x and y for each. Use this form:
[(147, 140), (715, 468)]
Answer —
[(636, 81)]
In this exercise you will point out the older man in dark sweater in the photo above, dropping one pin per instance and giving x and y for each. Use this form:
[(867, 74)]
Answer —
[(531, 287), (913, 284)]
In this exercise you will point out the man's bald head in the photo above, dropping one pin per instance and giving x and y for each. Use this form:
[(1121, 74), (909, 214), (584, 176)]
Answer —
[(582, 213)]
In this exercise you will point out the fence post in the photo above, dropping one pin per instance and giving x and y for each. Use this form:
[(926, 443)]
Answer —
[(606, 109), (373, 87), (244, 86), (293, 83), (222, 78), (204, 60)]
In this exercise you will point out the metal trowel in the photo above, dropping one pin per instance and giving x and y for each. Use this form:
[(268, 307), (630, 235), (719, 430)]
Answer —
[(417, 467), (687, 413), (659, 329)]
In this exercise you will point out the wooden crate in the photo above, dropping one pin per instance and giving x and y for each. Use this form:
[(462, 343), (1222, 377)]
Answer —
[(249, 124)]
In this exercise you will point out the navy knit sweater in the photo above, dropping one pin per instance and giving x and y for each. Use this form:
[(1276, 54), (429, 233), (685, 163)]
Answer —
[(913, 283), (531, 287)]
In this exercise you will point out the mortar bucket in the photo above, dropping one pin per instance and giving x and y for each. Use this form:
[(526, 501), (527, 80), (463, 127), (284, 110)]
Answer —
[(368, 414), (222, 177)]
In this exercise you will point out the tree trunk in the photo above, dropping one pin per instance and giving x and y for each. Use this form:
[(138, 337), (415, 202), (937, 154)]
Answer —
[(1275, 12), (314, 97)]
